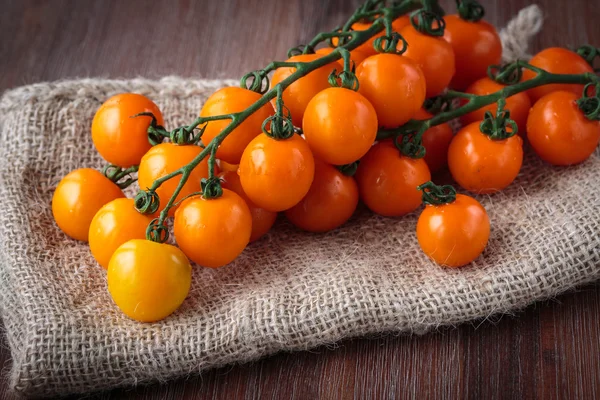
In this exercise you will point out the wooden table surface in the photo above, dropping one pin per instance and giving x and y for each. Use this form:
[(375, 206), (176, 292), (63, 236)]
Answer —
[(551, 350)]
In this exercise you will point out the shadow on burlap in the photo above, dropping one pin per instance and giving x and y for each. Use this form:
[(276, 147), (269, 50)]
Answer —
[(289, 291)]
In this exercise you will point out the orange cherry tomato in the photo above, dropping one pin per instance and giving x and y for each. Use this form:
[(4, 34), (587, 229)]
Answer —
[(476, 46), (120, 139), (231, 100), (276, 174), (436, 141), (298, 94), (262, 220), (329, 203), (518, 104), (433, 55), (148, 281), (454, 234), (339, 125), (557, 61), (165, 158), (400, 23), (387, 181), (481, 164), (394, 85), (558, 130), (115, 223), (213, 232), (78, 197), (225, 166), (355, 55)]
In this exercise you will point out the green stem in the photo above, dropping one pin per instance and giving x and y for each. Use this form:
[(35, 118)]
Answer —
[(476, 102), (302, 69)]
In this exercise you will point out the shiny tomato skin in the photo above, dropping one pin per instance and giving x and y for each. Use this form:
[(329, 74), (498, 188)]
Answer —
[(232, 100), (262, 220), (330, 202), (213, 232), (120, 139), (556, 60), (78, 197), (433, 55), (481, 164), (114, 224), (476, 46), (387, 181), (148, 281), (558, 130), (297, 95), (454, 234), (276, 174), (394, 85), (339, 125)]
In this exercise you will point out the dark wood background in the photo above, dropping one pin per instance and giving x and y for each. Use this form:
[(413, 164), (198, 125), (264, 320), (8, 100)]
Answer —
[(551, 350)]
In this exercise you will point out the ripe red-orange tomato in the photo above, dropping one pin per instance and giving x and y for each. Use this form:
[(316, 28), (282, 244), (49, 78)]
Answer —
[(387, 181), (476, 46), (557, 61), (225, 166), (231, 100), (518, 104), (115, 223), (558, 130), (454, 234), (298, 94), (165, 158), (213, 232), (330, 202), (78, 197), (262, 220), (276, 174), (355, 55), (120, 139), (339, 125), (481, 164), (436, 141), (394, 85), (148, 281), (433, 55)]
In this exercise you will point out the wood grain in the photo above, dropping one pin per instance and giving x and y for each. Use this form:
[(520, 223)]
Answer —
[(551, 350)]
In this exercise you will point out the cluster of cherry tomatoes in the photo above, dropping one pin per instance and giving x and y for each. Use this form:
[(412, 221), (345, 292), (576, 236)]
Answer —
[(306, 176)]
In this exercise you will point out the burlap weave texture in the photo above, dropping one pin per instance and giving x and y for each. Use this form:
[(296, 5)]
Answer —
[(289, 291)]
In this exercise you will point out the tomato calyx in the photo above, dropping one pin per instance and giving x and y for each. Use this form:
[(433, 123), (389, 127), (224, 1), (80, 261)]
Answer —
[(211, 187), (495, 127), (281, 125), (589, 53), (389, 44), (349, 169), (147, 201), (470, 10), (346, 78), (435, 195), (157, 231), (256, 81), (429, 22), (509, 74), (116, 174), (589, 104), (156, 132)]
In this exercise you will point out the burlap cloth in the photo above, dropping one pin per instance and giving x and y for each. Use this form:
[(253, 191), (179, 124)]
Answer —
[(289, 291)]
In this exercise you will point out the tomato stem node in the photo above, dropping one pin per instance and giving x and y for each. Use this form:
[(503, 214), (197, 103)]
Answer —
[(116, 174), (435, 195)]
